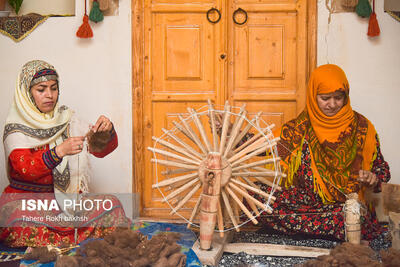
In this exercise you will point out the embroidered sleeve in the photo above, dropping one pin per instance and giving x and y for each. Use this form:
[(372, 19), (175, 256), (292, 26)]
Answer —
[(111, 146), (51, 159), (380, 168), (28, 164)]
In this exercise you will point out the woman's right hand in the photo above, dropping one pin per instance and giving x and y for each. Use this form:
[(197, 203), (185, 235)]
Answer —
[(71, 146)]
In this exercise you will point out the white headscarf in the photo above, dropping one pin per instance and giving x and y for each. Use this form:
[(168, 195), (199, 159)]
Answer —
[(28, 127)]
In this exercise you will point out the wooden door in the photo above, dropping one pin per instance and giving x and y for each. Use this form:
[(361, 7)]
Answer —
[(268, 63), (180, 60)]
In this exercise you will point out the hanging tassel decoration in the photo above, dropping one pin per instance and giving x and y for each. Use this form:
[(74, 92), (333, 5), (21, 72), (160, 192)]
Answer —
[(95, 14), (85, 31), (363, 8), (373, 26)]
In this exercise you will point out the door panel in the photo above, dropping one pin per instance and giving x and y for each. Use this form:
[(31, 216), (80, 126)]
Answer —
[(182, 70), (183, 53), (181, 60)]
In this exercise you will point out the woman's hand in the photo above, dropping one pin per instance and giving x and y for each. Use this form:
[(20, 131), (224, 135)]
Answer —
[(103, 124), (71, 146), (368, 178)]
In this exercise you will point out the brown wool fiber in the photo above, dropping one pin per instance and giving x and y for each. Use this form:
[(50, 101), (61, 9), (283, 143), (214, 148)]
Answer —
[(125, 247), (42, 254), (98, 140), (348, 254)]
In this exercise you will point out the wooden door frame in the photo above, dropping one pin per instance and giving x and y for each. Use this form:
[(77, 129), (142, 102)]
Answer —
[(138, 149)]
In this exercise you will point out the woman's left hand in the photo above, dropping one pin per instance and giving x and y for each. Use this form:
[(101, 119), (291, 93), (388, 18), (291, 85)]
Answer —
[(103, 124), (368, 178)]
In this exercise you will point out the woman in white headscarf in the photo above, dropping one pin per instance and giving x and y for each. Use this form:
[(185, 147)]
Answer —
[(46, 152)]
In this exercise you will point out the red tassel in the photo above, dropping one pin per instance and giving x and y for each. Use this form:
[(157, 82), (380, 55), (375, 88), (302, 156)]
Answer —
[(85, 31), (373, 26)]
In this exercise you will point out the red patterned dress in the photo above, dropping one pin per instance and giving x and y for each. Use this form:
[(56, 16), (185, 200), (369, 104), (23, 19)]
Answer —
[(30, 171)]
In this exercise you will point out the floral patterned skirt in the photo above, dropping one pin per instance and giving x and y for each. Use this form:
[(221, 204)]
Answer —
[(300, 211)]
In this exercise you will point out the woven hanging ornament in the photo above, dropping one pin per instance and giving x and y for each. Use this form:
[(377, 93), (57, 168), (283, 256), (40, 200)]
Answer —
[(104, 4), (363, 8), (95, 13), (349, 3), (373, 26), (84, 30)]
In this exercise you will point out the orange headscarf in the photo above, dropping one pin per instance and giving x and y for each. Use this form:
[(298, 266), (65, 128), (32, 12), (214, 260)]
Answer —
[(340, 145), (327, 79)]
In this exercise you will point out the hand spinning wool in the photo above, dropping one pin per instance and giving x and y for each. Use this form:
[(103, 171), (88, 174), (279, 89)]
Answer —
[(45, 154)]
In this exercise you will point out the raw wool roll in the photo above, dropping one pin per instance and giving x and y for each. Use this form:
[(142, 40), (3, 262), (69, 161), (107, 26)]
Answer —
[(349, 3), (104, 4), (85, 31), (363, 8), (373, 26), (95, 13)]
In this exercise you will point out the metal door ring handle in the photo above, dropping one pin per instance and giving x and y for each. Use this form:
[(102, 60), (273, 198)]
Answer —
[(237, 11), (213, 9)]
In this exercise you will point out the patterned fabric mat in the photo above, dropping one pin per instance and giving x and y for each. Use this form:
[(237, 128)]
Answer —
[(7, 253), (148, 228), (17, 28)]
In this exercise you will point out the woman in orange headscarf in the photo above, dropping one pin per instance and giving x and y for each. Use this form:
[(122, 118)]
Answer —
[(328, 151)]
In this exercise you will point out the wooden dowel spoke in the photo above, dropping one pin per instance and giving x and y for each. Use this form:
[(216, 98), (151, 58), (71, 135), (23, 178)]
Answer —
[(247, 180), (257, 144), (255, 137), (194, 212), (174, 171), (213, 127), (172, 155), (220, 220), (249, 197), (186, 198), (175, 180), (229, 209), (246, 129), (180, 190), (199, 125), (267, 182), (235, 130), (193, 134), (174, 164), (255, 190), (260, 169), (241, 205), (256, 163), (176, 148), (182, 143), (266, 173), (183, 130), (252, 206), (225, 126), (248, 156)]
